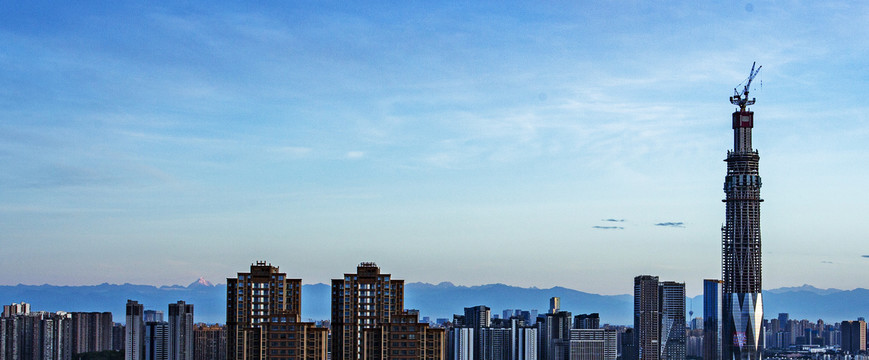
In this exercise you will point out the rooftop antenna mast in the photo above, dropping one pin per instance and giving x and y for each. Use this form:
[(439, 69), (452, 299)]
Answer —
[(742, 100)]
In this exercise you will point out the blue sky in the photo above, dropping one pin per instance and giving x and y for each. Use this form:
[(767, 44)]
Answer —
[(472, 142)]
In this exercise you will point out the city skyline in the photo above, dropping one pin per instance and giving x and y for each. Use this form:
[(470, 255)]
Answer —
[(446, 142)]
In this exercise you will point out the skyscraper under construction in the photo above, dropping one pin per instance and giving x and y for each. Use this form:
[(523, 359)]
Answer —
[(742, 302)]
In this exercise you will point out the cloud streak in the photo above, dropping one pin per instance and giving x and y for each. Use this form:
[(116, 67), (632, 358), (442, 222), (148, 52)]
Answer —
[(608, 227), (678, 224)]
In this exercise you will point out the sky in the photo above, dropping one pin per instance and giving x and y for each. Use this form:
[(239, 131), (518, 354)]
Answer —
[(544, 143)]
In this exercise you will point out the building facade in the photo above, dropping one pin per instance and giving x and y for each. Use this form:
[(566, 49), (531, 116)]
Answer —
[(593, 344), (360, 301), (404, 337), (91, 331), (263, 318), (209, 342)]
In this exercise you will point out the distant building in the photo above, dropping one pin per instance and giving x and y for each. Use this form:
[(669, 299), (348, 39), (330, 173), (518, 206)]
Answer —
[(180, 331), (156, 340), (263, 318), (26, 335), (554, 304), (477, 318), (586, 321), (118, 334), (91, 331), (461, 343), (853, 336), (555, 335), (209, 342), (15, 309), (593, 344), (711, 319), (134, 330)]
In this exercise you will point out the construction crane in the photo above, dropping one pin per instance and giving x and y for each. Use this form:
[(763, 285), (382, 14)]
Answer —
[(742, 99)]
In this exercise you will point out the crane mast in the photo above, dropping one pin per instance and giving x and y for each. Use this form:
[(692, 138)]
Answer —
[(741, 99)]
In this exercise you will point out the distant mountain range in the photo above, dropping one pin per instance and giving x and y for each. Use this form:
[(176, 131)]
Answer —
[(435, 301)]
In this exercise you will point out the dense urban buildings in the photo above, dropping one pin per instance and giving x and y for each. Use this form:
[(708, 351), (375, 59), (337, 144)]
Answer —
[(263, 318), (742, 301), (41, 335), (368, 308)]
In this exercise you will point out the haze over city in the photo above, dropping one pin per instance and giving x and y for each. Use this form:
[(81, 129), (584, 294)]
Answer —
[(532, 144)]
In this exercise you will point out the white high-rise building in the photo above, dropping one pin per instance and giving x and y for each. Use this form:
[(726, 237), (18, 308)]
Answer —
[(134, 337)]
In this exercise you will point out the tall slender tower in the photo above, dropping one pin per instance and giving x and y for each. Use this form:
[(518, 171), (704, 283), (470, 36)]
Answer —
[(742, 302)]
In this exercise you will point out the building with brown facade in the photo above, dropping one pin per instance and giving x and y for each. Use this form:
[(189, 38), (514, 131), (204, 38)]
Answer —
[(404, 337), (263, 318)]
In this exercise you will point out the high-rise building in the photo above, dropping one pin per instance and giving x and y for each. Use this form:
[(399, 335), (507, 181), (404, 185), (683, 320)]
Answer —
[(659, 319), (40, 335), (15, 309), (180, 331), (647, 317), (742, 301), (263, 318), (477, 318), (209, 342), (156, 340), (853, 336), (461, 343), (118, 337), (362, 300), (586, 321), (672, 302), (134, 330), (91, 331), (593, 344), (554, 304), (404, 338), (711, 319), (554, 331)]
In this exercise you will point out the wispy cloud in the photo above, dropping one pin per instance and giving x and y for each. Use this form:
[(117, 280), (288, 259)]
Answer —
[(678, 224), (826, 262), (866, 256), (614, 220), (355, 154), (608, 227)]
